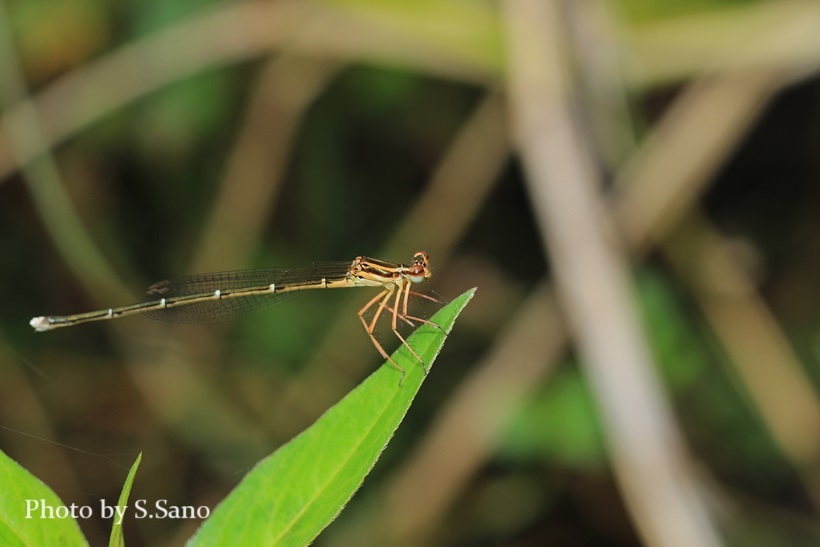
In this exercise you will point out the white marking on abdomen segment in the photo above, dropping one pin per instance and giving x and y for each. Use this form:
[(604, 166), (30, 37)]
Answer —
[(273, 287), (163, 303), (217, 294)]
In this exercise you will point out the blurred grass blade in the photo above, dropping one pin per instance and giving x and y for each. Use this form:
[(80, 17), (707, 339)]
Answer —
[(116, 539), (19, 493), (293, 494)]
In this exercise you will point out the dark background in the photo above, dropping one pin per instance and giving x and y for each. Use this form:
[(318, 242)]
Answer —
[(178, 137)]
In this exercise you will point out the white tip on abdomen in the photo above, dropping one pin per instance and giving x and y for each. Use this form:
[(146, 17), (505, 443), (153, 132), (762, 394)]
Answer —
[(40, 323)]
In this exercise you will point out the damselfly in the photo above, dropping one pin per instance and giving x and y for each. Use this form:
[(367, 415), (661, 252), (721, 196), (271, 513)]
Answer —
[(216, 297)]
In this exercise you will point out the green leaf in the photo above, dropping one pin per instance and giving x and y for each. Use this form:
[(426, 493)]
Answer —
[(116, 539), (294, 493), (23, 523)]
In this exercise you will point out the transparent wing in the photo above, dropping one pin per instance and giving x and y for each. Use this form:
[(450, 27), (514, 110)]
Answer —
[(226, 309)]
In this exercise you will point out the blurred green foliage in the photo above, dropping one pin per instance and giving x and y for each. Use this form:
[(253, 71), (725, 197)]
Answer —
[(648, 10), (206, 403)]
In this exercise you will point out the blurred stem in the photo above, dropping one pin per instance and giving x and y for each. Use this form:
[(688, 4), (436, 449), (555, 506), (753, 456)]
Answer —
[(655, 194), (674, 164), (648, 455), (442, 214), (231, 33), (762, 357), (654, 52), (739, 36), (253, 177), (51, 200), (596, 35)]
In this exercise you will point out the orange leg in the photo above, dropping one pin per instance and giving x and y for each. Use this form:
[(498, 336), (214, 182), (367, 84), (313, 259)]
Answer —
[(406, 296), (383, 296), (401, 316), (407, 319), (395, 328), (407, 293), (385, 299), (426, 297), (405, 315)]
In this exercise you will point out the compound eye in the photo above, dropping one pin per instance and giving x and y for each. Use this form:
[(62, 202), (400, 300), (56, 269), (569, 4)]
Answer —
[(421, 258), (416, 273)]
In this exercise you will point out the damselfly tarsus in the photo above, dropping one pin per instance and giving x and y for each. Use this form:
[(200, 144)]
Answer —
[(215, 297)]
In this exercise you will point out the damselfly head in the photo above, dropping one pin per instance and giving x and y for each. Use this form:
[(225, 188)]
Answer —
[(420, 270)]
